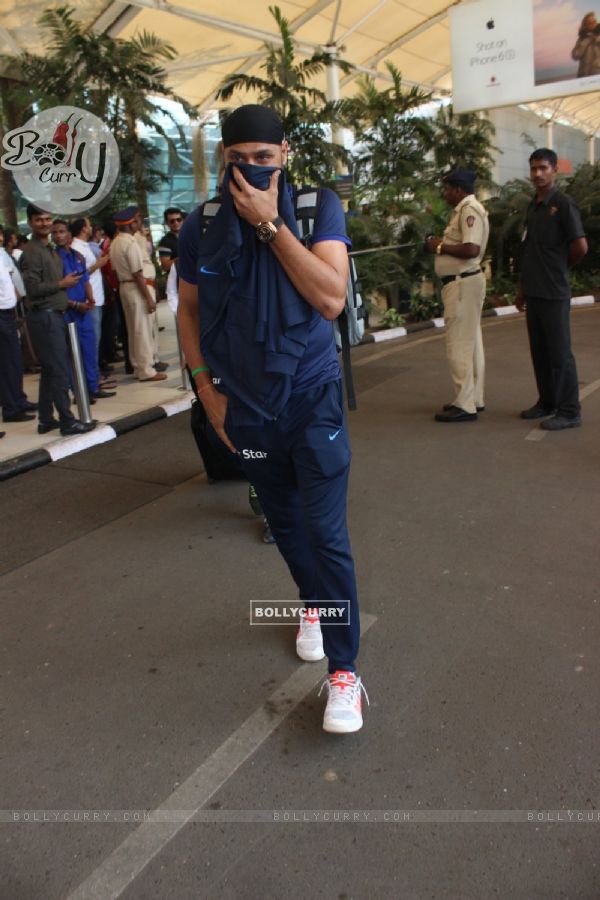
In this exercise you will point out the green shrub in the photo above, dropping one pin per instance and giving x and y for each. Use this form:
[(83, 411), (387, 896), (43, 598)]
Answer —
[(503, 287), (585, 282), (392, 318), (424, 308)]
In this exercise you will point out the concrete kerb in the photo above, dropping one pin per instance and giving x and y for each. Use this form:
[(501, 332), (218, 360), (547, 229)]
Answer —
[(389, 334), (25, 462), (107, 431)]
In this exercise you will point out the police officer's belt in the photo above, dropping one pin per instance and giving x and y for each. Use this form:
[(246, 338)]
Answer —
[(446, 279)]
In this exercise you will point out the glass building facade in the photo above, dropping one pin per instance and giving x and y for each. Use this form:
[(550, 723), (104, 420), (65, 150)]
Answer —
[(182, 186)]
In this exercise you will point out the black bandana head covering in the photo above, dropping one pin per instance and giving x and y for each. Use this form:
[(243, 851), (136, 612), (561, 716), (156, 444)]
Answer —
[(252, 124)]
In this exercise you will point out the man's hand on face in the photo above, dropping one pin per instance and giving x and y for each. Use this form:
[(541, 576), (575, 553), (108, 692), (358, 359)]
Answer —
[(252, 204)]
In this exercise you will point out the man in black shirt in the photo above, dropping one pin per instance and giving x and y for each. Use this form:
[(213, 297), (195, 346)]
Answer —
[(168, 249), (553, 242)]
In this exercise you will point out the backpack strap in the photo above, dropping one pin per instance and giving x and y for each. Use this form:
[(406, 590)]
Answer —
[(208, 211), (306, 205), (346, 360)]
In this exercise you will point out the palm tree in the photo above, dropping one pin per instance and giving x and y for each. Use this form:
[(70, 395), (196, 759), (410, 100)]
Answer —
[(113, 78), (507, 211), (391, 170), (303, 108), (584, 187), (12, 115), (393, 139), (464, 140)]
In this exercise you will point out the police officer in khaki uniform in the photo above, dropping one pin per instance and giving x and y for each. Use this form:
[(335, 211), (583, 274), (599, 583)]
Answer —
[(458, 266), (140, 232), (136, 285)]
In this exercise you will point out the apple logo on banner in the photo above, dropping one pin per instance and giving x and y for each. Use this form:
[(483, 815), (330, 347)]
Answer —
[(490, 24)]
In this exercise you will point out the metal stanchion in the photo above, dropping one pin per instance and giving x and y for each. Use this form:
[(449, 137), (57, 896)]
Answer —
[(380, 249), (80, 384), (185, 386)]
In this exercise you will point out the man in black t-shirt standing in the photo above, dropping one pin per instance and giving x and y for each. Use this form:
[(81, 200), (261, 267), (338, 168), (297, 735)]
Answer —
[(168, 249), (553, 242)]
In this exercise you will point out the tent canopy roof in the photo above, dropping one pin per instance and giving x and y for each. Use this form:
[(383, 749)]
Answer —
[(212, 41)]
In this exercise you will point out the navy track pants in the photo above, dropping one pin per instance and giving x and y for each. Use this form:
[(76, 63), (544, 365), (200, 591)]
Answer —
[(299, 465)]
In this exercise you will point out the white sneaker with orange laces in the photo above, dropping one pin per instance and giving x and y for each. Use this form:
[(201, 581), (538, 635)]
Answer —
[(343, 713), (309, 640)]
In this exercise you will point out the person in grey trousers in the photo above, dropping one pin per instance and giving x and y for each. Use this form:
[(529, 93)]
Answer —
[(47, 300)]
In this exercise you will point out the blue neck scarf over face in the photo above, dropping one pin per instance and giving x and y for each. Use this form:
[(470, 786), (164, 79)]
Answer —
[(254, 324), (258, 176)]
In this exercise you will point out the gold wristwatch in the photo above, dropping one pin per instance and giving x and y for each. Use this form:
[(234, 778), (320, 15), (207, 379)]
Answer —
[(267, 231)]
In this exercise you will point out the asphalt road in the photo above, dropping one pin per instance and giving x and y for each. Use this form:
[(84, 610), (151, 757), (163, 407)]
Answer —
[(131, 680)]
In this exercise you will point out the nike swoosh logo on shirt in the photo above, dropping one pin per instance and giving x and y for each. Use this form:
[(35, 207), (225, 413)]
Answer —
[(333, 436), (205, 271)]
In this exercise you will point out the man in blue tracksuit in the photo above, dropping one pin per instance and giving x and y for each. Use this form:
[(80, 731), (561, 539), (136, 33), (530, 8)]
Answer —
[(256, 307)]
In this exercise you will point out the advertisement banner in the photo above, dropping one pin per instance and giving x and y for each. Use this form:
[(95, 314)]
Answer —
[(506, 52)]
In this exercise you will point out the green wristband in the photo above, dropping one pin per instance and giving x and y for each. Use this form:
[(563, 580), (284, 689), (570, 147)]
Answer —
[(198, 370)]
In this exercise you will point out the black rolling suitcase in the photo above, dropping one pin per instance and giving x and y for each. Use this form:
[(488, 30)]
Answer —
[(220, 463)]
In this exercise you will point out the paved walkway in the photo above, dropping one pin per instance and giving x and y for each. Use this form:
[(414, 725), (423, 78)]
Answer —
[(132, 396), (134, 688)]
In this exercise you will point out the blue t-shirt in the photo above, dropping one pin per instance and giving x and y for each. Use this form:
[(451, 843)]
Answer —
[(319, 364)]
